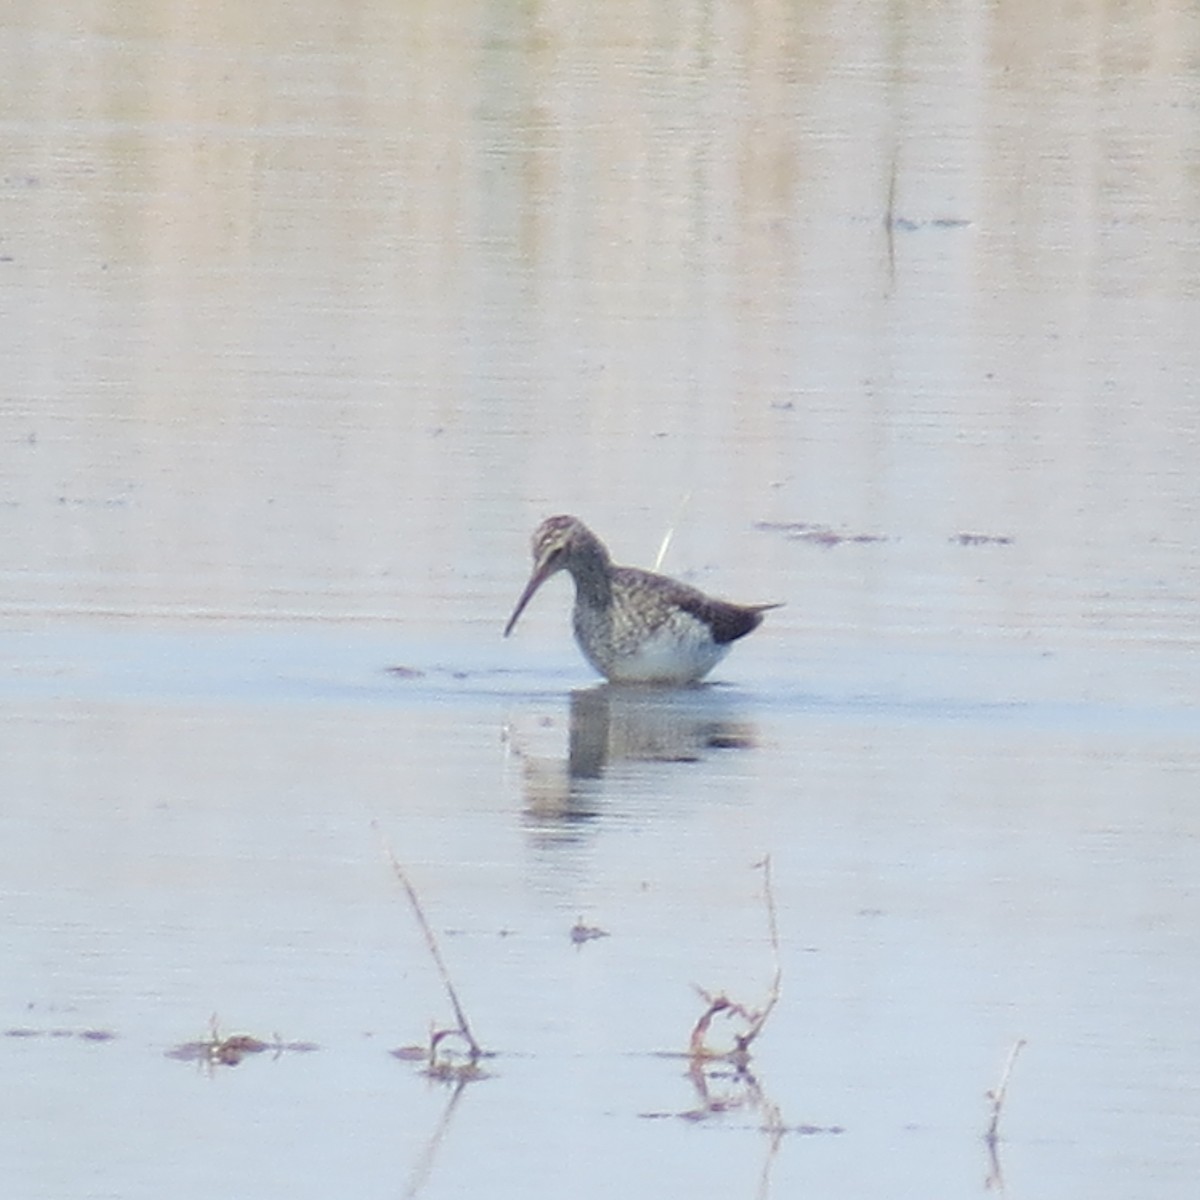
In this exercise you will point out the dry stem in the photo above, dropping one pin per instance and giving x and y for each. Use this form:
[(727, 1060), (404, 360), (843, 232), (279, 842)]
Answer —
[(1001, 1090), (755, 1018), (464, 1027)]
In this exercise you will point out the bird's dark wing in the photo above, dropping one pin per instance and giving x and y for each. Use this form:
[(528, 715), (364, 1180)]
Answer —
[(727, 621)]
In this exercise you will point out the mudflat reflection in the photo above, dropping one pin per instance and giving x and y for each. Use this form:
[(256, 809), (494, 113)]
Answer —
[(611, 724)]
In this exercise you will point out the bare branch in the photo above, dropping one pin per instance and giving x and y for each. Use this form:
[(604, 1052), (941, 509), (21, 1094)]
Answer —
[(464, 1027), (754, 1019), (997, 1096)]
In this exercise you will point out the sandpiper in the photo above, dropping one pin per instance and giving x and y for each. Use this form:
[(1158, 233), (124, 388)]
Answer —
[(634, 626)]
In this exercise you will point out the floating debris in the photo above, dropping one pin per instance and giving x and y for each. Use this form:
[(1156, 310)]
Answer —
[(581, 933), (700, 1114), (909, 226), (443, 1060), (444, 1071), (981, 539), (229, 1051), (410, 1053), (84, 1035), (821, 535)]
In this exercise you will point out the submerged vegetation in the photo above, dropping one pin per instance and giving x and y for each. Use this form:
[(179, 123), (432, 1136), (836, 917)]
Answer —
[(228, 1050), (718, 1068)]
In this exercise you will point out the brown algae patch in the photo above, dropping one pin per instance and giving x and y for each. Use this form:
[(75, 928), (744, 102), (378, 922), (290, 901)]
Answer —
[(230, 1050)]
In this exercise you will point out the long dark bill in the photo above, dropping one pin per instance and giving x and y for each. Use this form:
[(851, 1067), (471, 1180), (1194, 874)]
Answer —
[(535, 581)]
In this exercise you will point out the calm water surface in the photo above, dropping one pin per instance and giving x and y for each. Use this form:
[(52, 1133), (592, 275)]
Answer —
[(309, 315)]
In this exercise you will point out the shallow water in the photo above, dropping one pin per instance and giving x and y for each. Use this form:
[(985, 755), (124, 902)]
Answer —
[(310, 317)]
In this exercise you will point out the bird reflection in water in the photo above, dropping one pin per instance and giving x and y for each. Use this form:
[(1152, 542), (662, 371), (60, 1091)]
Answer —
[(631, 724), (612, 724)]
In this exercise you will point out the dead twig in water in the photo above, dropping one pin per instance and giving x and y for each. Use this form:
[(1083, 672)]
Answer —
[(423, 1168), (438, 1069), (1001, 1090), (755, 1019), (995, 1178)]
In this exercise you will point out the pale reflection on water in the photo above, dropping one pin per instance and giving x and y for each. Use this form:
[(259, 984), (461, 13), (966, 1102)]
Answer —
[(609, 726), (310, 315)]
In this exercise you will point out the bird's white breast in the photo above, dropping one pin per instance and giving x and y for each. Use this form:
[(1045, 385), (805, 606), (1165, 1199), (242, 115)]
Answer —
[(669, 654)]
